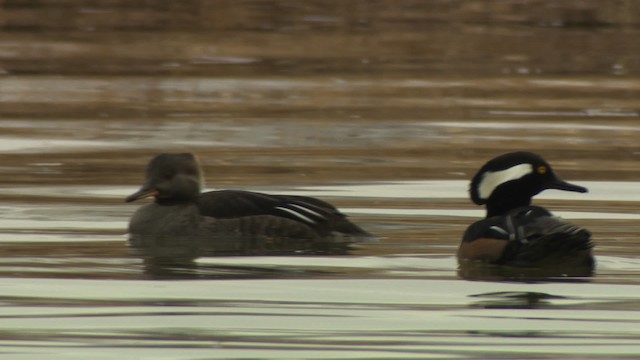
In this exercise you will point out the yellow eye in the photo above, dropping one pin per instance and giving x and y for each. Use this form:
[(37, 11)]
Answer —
[(542, 169)]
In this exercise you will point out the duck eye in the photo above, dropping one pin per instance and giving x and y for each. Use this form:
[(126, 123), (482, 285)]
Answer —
[(542, 169)]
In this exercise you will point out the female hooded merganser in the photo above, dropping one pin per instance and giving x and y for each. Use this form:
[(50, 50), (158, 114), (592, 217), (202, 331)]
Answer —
[(180, 209), (514, 232)]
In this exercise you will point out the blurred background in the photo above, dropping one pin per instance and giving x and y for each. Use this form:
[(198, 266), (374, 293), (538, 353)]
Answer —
[(322, 88)]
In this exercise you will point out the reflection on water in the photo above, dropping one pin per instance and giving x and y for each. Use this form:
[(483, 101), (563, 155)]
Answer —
[(325, 319), (384, 108)]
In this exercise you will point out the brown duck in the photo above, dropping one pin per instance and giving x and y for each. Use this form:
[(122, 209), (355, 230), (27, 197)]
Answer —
[(234, 220)]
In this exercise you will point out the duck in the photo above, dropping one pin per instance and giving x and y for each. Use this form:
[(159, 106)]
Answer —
[(236, 218), (516, 233)]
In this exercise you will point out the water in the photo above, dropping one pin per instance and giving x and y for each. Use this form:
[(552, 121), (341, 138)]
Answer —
[(385, 109)]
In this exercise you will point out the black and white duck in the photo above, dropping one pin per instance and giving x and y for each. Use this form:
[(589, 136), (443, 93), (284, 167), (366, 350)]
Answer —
[(519, 234)]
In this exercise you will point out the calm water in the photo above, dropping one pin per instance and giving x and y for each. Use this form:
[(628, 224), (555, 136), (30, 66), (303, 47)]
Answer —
[(384, 108)]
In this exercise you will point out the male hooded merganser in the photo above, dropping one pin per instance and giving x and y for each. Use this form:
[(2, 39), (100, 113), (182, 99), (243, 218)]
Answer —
[(175, 180), (514, 232)]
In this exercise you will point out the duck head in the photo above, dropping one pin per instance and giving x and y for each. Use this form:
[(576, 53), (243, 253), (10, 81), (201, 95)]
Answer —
[(511, 180), (171, 178)]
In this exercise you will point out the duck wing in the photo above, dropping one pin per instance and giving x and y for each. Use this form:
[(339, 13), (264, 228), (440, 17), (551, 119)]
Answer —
[(321, 216)]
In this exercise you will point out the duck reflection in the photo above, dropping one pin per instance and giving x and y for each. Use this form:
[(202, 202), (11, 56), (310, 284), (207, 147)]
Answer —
[(515, 300), (175, 256)]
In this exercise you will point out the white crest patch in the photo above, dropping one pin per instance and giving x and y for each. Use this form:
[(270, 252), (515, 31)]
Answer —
[(491, 180)]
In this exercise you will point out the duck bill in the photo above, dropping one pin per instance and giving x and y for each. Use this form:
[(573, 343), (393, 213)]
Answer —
[(563, 185), (144, 192)]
